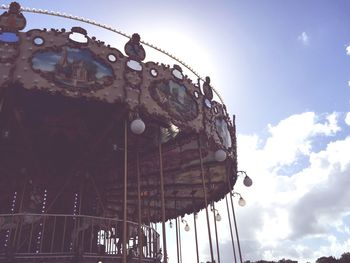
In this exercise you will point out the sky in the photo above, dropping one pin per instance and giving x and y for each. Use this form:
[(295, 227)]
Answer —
[(283, 69)]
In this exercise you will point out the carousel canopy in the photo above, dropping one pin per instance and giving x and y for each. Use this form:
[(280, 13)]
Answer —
[(72, 109)]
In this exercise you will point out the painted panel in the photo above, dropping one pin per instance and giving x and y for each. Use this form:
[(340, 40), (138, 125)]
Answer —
[(223, 132), (72, 68), (174, 98)]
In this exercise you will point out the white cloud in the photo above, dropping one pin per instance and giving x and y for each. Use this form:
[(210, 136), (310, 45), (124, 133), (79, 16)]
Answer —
[(284, 211), (348, 50), (347, 118), (289, 139), (304, 38)]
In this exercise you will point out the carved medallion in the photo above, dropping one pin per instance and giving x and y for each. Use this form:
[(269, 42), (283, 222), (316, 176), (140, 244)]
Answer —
[(12, 20), (134, 49)]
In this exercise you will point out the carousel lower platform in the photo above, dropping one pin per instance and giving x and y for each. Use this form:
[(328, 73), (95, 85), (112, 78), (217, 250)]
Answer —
[(74, 238)]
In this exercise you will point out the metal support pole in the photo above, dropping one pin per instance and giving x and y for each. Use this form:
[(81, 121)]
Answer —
[(140, 233), (177, 240), (236, 229), (195, 234), (180, 241), (149, 239), (125, 188), (165, 259), (216, 235), (231, 187), (177, 235), (229, 221), (205, 198)]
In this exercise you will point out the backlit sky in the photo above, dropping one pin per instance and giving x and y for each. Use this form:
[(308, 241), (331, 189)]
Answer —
[(282, 68)]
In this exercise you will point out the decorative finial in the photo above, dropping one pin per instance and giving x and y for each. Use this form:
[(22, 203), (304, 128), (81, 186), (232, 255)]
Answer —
[(134, 49), (14, 8), (208, 92), (13, 20)]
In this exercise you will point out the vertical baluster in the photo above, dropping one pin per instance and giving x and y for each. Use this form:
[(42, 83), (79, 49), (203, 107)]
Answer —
[(64, 233), (19, 232), (84, 221), (91, 235), (30, 237), (53, 234)]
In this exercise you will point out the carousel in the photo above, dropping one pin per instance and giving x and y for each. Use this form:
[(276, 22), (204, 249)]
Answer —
[(97, 147)]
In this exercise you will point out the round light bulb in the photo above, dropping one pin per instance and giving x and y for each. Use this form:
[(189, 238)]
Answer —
[(218, 217), (171, 224), (241, 201), (6, 134), (247, 181), (220, 155), (187, 228), (137, 126)]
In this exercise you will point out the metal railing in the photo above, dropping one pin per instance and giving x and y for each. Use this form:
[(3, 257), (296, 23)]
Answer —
[(60, 235)]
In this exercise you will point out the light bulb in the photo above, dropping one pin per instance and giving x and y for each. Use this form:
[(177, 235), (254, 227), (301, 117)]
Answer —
[(5, 134), (218, 217), (241, 201), (247, 181), (137, 126), (220, 155), (187, 228)]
